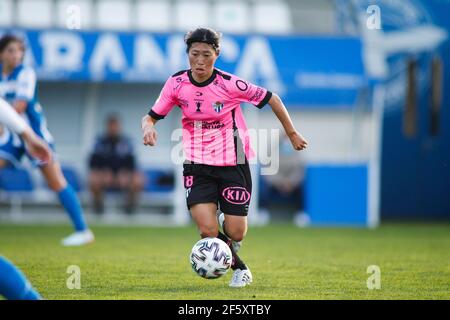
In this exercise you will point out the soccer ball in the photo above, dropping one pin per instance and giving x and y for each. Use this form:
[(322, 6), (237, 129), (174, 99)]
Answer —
[(211, 258)]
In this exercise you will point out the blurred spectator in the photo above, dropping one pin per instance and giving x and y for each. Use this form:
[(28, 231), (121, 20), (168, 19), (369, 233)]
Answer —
[(286, 185), (113, 167)]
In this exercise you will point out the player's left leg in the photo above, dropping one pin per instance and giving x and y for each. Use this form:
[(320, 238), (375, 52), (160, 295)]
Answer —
[(235, 193), (235, 227), (13, 284), (56, 181)]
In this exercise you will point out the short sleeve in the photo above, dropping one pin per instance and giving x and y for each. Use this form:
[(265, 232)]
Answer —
[(26, 85), (165, 102), (248, 92)]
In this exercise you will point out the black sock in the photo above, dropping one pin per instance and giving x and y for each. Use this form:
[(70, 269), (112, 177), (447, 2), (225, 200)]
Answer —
[(224, 238), (237, 263)]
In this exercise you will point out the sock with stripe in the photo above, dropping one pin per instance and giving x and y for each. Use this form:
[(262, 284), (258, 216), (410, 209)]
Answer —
[(237, 262)]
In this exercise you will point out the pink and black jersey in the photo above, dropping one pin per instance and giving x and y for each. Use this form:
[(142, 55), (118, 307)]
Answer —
[(214, 129)]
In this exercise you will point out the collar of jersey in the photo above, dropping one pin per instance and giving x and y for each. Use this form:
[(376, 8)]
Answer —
[(12, 74), (204, 83)]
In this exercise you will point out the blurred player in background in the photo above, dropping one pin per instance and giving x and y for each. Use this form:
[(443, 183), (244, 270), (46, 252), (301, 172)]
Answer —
[(216, 143), (112, 166), (286, 184), (18, 87), (13, 284)]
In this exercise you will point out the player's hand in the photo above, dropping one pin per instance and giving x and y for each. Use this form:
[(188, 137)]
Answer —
[(297, 140), (36, 146), (149, 135)]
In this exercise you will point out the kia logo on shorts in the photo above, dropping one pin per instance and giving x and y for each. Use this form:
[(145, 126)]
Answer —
[(236, 195)]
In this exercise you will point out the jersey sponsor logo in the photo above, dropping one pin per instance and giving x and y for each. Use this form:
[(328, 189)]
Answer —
[(257, 95), (218, 106), (241, 85), (236, 195), (208, 125), (183, 103), (199, 94), (219, 84)]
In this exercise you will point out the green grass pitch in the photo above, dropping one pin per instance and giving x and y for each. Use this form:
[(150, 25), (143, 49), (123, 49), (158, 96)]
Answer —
[(287, 263)]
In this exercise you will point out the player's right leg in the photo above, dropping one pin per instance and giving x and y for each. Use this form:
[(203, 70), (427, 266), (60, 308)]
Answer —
[(204, 216), (69, 200), (13, 284)]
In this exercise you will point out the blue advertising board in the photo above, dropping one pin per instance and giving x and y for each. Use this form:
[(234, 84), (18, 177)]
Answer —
[(304, 70)]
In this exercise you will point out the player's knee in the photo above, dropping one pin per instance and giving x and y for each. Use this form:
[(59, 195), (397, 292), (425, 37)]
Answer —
[(237, 234), (208, 231), (56, 185)]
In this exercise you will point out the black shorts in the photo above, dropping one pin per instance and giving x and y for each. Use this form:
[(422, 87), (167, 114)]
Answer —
[(229, 187)]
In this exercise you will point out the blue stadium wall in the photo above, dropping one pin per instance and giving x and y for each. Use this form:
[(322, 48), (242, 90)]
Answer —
[(415, 171)]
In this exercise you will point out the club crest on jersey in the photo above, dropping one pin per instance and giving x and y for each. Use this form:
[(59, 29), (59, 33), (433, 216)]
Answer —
[(198, 105), (217, 106)]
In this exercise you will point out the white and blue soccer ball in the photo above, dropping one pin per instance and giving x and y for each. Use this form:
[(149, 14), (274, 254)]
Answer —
[(211, 258)]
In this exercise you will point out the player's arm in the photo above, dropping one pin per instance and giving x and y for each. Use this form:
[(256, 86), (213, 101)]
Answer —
[(148, 130), (160, 109), (12, 120), (20, 106), (297, 140), (247, 92), (36, 146)]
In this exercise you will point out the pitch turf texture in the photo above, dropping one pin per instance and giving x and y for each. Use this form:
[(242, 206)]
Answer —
[(287, 263)]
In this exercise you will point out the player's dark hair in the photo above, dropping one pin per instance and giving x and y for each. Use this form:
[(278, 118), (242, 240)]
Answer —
[(7, 39), (205, 35)]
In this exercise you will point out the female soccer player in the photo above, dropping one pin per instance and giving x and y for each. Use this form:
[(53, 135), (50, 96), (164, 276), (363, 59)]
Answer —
[(35, 146), (216, 144), (18, 87), (13, 283)]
